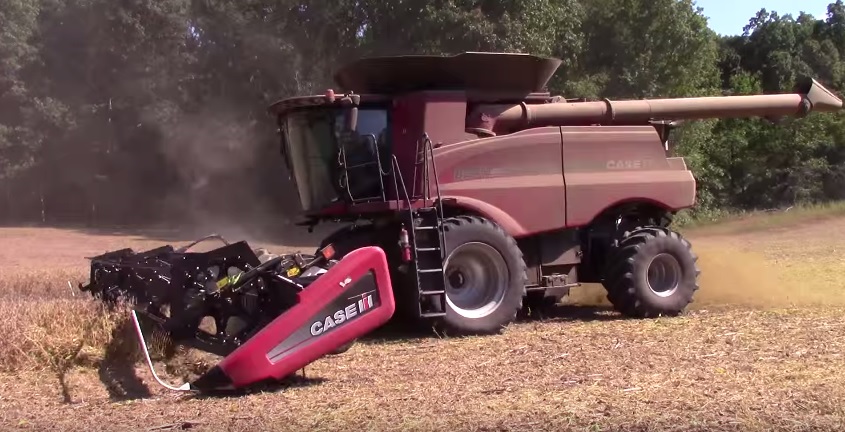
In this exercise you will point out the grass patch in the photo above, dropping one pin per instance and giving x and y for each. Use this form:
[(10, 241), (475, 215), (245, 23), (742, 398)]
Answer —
[(737, 221)]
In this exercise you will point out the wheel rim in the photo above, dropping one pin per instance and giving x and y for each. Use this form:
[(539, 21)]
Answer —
[(664, 275), (476, 280)]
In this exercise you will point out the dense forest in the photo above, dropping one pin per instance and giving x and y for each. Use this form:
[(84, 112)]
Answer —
[(131, 111)]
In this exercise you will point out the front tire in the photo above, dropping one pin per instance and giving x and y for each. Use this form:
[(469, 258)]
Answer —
[(652, 272), (485, 276)]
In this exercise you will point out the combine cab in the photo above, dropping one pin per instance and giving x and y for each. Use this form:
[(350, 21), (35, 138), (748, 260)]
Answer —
[(465, 192)]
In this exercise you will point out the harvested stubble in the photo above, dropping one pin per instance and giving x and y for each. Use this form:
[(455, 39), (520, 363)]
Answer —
[(737, 370), (46, 326), (775, 362), (53, 334)]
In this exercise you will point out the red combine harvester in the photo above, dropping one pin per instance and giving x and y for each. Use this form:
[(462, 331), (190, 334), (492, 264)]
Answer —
[(466, 192)]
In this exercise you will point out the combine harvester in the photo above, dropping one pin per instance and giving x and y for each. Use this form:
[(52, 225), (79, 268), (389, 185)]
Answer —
[(466, 191)]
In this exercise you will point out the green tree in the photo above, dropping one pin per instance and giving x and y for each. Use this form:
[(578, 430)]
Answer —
[(648, 48)]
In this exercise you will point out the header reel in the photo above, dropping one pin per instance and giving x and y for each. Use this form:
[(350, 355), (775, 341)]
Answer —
[(240, 289), (245, 291)]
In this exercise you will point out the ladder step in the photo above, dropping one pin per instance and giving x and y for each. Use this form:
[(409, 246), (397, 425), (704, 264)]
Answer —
[(372, 198), (361, 165), (429, 219)]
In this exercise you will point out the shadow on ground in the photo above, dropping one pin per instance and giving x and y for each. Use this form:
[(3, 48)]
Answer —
[(398, 331), (119, 375), (270, 386), (117, 369), (570, 313)]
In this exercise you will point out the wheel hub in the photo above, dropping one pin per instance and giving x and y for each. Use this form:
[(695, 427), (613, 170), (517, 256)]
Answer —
[(664, 275), (476, 279), (456, 279)]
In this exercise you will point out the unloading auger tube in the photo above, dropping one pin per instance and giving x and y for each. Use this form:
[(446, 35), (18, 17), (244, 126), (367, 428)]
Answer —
[(491, 119)]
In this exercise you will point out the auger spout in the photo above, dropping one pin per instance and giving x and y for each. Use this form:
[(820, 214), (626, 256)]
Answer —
[(497, 118)]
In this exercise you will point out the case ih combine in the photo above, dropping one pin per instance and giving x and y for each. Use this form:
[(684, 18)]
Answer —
[(466, 191)]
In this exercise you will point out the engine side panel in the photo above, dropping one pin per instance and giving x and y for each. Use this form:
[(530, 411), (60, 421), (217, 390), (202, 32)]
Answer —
[(353, 298), (515, 180), (609, 165)]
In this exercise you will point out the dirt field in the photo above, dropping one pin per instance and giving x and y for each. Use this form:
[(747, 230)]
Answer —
[(761, 349)]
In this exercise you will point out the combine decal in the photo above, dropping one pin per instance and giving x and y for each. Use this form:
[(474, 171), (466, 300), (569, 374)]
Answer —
[(365, 303), (358, 298)]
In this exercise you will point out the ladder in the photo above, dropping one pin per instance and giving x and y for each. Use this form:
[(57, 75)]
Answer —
[(426, 236), (428, 241)]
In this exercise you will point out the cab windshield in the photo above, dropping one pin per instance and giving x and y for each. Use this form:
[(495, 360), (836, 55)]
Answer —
[(311, 138)]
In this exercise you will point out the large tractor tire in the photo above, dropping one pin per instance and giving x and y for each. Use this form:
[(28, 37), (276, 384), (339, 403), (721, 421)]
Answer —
[(652, 272), (485, 276)]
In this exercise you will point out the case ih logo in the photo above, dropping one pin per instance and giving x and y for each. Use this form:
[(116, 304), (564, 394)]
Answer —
[(631, 164), (365, 303)]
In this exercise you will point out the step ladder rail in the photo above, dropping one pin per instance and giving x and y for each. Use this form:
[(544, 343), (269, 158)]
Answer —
[(418, 160), (429, 263), (429, 148), (399, 180), (346, 168), (420, 273), (380, 168), (344, 174), (430, 218)]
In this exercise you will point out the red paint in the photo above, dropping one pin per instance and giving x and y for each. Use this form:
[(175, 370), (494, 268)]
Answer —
[(249, 364)]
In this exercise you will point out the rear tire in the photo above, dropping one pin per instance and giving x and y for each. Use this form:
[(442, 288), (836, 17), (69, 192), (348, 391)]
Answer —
[(485, 276), (652, 272)]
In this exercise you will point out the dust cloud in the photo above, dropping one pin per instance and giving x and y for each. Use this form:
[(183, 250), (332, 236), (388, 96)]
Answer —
[(731, 275), (740, 276), (222, 158)]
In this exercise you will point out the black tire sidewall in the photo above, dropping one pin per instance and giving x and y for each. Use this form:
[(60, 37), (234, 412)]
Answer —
[(629, 275), (462, 230), (682, 296)]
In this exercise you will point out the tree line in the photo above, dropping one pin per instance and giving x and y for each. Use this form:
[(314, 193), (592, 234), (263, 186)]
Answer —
[(138, 111)]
